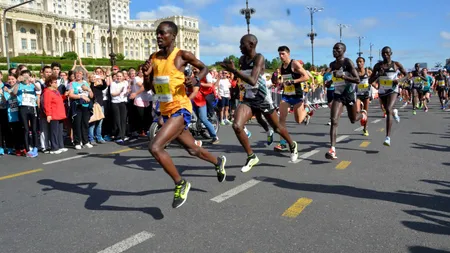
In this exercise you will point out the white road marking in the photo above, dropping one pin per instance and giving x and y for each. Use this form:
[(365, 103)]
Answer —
[(81, 156), (65, 159), (128, 243), (236, 190), (306, 155), (359, 129), (375, 121), (341, 138)]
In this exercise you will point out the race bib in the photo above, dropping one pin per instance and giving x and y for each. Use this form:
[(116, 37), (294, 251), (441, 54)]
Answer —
[(250, 91), (441, 82), (162, 89), (364, 84), (338, 81), (418, 80), (385, 82), (28, 99), (289, 90)]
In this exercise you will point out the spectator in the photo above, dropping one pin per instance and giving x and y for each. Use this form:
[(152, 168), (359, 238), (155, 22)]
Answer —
[(98, 85), (119, 92)]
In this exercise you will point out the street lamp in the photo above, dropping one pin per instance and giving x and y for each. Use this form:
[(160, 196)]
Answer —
[(312, 34), (371, 57), (248, 12), (340, 30), (359, 41), (112, 55), (6, 32)]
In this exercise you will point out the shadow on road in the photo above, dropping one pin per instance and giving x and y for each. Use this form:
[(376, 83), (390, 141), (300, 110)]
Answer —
[(433, 147), (97, 197), (421, 249), (436, 226)]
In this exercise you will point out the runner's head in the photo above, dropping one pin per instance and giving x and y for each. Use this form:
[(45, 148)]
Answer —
[(360, 61), (386, 53), (417, 67), (425, 71), (248, 44), (166, 34), (339, 50), (285, 54)]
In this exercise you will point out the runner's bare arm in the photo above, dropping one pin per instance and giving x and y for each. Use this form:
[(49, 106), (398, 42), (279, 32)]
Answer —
[(401, 68), (297, 67), (374, 76), (354, 78), (147, 69), (190, 58), (256, 71)]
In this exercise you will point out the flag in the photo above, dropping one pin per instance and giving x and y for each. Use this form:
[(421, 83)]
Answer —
[(74, 25)]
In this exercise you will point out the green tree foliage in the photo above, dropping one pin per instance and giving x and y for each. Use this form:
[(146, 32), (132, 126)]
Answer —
[(70, 56)]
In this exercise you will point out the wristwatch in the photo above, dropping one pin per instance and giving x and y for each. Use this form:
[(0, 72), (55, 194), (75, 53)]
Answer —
[(197, 79)]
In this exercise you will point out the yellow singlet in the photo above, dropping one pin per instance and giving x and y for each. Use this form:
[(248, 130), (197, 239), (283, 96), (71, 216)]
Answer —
[(169, 85)]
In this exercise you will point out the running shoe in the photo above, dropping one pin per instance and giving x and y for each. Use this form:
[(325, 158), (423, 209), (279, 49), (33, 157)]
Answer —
[(11, 151), (215, 140), (252, 160), (363, 120), (387, 141), (220, 168), (198, 143), (331, 154), (294, 152), (396, 117), (366, 132), (414, 112), (307, 119), (181, 193), (2, 151), (280, 147), (270, 137)]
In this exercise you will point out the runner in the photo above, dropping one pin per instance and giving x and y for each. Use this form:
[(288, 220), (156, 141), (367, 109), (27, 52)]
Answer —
[(345, 77), (406, 89), (386, 74), (293, 81), (257, 98), (417, 93), (426, 89), (363, 94), (164, 75)]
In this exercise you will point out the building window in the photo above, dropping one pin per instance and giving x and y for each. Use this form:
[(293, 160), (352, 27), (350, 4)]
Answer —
[(23, 30), (32, 31), (24, 44), (193, 25), (88, 46), (33, 44)]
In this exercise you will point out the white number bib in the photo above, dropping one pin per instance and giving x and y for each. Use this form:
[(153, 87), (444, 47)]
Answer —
[(13, 106), (364, 84), (162, 89), (441, 83), (288, 89), (250, 91), (28, 99)]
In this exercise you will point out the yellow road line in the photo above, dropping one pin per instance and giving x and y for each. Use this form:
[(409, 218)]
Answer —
[(122, 151), (380, 130), (343, 165), (294, 210), (20, 174), (364, 144)]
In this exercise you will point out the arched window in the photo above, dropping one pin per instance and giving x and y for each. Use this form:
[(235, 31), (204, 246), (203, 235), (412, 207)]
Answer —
[(23, 30), (32, 31)]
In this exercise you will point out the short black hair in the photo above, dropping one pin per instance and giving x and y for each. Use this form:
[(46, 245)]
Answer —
[(172, 26), (55, 64), (284, 48), (25, 72), (364, 60), (46, 67), (342, 44), (386, 48)]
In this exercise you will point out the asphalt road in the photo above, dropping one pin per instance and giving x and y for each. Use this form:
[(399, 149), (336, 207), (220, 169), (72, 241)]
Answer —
[(112, 198)]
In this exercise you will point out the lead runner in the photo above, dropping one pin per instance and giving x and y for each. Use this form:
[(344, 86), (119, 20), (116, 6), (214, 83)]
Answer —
[(164, 75)]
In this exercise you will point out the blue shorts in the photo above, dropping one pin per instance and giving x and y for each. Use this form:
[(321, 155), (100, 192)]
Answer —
[(224, 102), (182, 112), (292, 100)]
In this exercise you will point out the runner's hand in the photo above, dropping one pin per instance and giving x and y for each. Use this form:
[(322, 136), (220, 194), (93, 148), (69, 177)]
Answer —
[(147, 68), (228, 65)]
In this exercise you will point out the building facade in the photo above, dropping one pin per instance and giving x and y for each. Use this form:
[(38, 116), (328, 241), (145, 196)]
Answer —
[(53, 27)]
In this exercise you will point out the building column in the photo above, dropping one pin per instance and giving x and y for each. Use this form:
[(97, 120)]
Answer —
[(44, 38), (3, 37), (53, 39), (15, 43)]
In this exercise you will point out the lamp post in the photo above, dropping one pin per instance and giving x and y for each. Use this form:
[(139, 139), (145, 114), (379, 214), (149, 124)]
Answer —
[(340, 30), (359, 42), (248, 12), (112, 55), (371, 57), (5, 30), (312, 34)]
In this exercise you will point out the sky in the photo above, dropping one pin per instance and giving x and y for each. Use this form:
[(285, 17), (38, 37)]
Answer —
[(415, 30)]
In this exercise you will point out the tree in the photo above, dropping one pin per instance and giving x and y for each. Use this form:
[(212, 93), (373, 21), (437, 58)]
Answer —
[(267, 64), (70, 56), (276, 63), (120, 57), (307, 66)]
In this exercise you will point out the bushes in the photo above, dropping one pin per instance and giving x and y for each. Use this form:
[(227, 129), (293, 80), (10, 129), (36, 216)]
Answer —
[(120, 57), (47, 60), (70, 56)]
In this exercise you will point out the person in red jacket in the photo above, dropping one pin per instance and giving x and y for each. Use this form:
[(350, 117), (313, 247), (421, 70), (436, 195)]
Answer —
[(56, 113)]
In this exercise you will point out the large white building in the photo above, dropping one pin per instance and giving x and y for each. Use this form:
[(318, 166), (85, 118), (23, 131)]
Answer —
[(53, 27)]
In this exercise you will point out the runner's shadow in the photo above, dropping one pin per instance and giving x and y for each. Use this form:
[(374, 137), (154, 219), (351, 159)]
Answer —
[(229, 178), (434, 147), (369, 152), (142, 163), (421, 249), (441, 183), (429, 201), (97, 197), (440, 226)]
